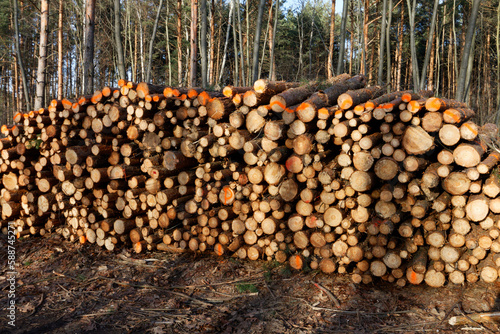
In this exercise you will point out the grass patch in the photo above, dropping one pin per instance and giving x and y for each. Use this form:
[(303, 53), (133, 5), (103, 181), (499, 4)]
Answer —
[(246, 288)]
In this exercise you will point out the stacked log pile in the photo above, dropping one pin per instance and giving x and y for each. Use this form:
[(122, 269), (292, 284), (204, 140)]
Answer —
[(347, 178)]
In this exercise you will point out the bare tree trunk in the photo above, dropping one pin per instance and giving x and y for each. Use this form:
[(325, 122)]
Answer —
[(19, 59), (498, 57), (227, 41), (432, 60), (118, 41), (366, 8), (464, 68), (310, 41), (42, 56), (388, 46), (429, 46), (88, 55), (194, 42), (256, 42), (240, 35), (179, 42), (413, 49), (329, 65), (381, 45), (212, 44), (340, 64), (167, 44), (151, 42), (236, 71), (203, 46), (272, 42), (60, 52)]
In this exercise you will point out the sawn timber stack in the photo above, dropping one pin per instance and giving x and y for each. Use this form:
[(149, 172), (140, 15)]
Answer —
[(345, 179)]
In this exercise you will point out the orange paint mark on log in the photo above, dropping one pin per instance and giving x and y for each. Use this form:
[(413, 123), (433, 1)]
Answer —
[(298, 261), (156, 98), (369, 105), (4, 129), (121, 82), (130, 84), (96, 97), (18, 117), (433, 104), (237, 99), (192, 93), (82, 100), (228, 194), (67, 104), (303, 106), (406, 97), (219, 250), (106, 91), (82, 239), (452, 115), (471, 129), (414, 106), (323, 112), (227, 92), (203, 98), (167, 92), (338, 113), (359, 108), (148, 98)]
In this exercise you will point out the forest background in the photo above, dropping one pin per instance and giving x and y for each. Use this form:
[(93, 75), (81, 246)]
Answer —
[(67, 48)]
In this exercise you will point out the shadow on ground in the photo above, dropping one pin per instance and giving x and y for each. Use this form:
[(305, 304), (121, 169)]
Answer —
[(67, 288)]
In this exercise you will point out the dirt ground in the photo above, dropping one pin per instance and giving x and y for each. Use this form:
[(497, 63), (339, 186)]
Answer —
[(68, 288)]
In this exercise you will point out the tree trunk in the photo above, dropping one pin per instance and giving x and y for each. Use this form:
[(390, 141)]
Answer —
[(429, 46), (151, 42), (388, 46), (340, 64), (203, 46), (329, 64), (272, 42), (179, 42), (118, 41), (194, 42), (88, 55), (19, 58), (227, 40), (42, 57), (167, 45), (256, 41), (60, 52), (464, 64), (240, 35), (381, 45), (400, 49), (413, 49)]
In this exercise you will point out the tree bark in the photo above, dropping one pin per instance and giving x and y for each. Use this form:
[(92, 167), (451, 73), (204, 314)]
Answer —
[(381, 45), (340, 64), (42, 56), (151, 42), (329, 64), (88, 54), (464, 64), (413, 50), (429, 46), (19, 58), (179, 42), (118, 41), (194, 43), (60, 52), (203, 45), (256, 41)]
